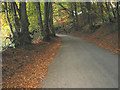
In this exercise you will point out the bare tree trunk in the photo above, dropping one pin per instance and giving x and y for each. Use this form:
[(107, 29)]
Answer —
[(21, 37), (102, 16), (118, 14), (73, 16), (108, 12), (40, 22), (83, 10), (46, 30), (88, 6), (51, 20), (24, 37), (15, 18), (118, 21), (76, 17), (16, 24), (10, 25)]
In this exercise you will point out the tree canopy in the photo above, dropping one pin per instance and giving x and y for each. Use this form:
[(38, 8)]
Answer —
[(21, 21)]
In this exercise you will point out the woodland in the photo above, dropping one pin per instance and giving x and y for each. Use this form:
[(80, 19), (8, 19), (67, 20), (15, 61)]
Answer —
[(29, 34), (21, 20)]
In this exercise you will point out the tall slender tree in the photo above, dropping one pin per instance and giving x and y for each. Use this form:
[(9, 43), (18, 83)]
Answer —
[(88, 6), (118, 15), (102, 7), (15, 18), (51, 19), (76, 16), (40, 22), (108, 11), (46, 22), (7, 15), (72, 10)]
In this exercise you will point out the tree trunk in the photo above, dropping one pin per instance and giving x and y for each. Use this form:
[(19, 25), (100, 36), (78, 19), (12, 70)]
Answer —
[(118, 21), (102, 16), (83, 11), (76, 17), (46, 20), (118, 15), (15, 18), (24, 37), (108, 12), (88, 6), (40, 22), (73, 15), (51, 20), (16, 24), (10, 25)]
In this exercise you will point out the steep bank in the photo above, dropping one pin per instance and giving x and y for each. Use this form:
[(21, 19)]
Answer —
[(106, 36)]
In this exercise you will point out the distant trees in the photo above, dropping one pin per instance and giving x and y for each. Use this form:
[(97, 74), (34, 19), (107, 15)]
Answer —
[(108, 11), (72, 14), (113, 11), (88, 6), (76, 16), (102, 12), (93, 12), (99, 11)]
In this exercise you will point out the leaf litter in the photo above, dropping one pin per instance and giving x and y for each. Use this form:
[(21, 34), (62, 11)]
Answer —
[(22, 68)]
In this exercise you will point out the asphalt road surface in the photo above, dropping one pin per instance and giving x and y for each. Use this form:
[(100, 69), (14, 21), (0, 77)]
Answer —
[(81, 64)]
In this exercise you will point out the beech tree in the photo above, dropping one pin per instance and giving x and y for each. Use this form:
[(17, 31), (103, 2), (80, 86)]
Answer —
[(46, 22), (24, 37), (76, 16), (88, 6), (40, 21), (21, 35), (23, 18), (51, 19)]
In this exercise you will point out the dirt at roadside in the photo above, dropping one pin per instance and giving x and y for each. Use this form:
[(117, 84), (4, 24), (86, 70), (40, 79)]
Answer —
[(106, 36), (23, 68)]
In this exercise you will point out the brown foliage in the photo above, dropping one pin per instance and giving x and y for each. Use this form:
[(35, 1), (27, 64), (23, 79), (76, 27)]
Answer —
[(26, 68), (106, 36)]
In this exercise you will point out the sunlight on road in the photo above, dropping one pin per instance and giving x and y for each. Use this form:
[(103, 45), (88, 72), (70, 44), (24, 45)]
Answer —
[(60, 35)]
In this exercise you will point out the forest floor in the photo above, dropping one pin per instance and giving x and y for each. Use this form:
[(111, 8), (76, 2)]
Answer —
[(106, 36), (23, 68)]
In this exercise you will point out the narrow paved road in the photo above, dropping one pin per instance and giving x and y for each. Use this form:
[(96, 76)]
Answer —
[(81, 64)]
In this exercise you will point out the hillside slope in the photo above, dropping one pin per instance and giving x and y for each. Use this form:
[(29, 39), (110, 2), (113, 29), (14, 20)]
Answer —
[(106, 36)]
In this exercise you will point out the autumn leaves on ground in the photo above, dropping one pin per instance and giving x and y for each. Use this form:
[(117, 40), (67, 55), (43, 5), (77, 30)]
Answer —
[(29, 41), (27, 68), (106, 36)]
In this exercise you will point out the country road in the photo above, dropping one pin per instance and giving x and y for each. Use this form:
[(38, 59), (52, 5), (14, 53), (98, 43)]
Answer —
[(81, 64)]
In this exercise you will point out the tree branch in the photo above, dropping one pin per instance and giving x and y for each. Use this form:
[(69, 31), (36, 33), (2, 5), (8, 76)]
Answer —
[(68, 11)]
